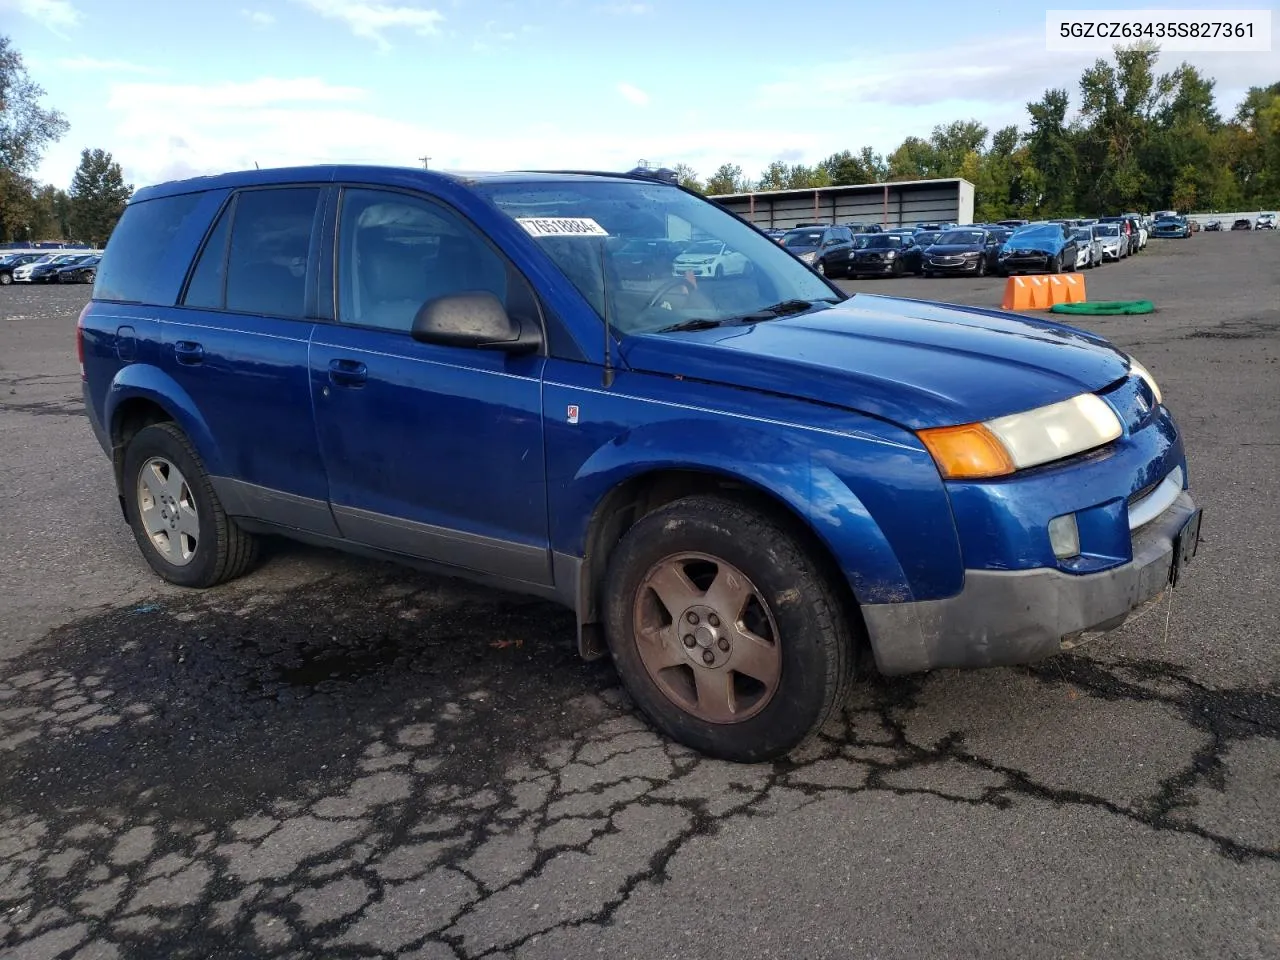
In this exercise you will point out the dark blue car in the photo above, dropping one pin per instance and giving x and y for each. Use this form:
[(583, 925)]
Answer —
[(735, 482), (1172, 228), (1043, 247)]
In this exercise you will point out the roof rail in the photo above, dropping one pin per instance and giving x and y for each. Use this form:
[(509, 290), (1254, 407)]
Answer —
[(639, 173)]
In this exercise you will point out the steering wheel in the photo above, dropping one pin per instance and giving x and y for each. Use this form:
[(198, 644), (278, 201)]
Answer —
[(671, 285)]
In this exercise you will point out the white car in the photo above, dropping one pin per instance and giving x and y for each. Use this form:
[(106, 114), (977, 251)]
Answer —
[(1265, 221), (710, 258), (1143, 231), (1088, 248)]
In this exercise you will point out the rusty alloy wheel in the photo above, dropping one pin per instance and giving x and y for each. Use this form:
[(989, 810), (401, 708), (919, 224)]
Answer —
[(707, 638)]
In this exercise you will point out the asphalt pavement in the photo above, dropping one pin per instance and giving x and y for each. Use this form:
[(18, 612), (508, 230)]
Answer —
[(335, 757)]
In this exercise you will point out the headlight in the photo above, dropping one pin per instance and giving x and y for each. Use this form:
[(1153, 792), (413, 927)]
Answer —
[(890, 254), (809, 257), (999, 447), (1145, 374)]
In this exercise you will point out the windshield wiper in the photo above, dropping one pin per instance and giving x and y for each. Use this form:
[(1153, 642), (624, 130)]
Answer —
[(697, 323), (782, 309)]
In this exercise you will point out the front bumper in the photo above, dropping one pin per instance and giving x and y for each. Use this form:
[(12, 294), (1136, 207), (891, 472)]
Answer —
[(969, 265), (869, 267), (1038, 263), (1021, 616)]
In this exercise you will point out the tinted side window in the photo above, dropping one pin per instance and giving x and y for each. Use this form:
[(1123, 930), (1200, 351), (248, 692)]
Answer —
[(138, 243), (396, 252), (207, 286), (270, 242)]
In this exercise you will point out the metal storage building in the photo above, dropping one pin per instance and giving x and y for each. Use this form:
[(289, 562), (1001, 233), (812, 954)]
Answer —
[(903, 203)]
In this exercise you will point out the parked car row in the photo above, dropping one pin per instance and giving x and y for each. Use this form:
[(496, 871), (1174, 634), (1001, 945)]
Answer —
[(1265, 221), (1048, 246), (48, 268)]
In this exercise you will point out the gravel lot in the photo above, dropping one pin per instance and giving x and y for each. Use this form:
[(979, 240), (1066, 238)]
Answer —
[(342, 758)]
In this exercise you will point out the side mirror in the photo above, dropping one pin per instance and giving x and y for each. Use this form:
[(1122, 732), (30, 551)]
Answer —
[(475, 320)]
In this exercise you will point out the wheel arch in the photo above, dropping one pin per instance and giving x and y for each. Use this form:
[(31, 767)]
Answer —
[(142, 395), (638, 495)]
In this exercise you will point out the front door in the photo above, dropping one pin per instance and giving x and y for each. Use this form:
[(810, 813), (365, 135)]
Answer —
[(431, 451)]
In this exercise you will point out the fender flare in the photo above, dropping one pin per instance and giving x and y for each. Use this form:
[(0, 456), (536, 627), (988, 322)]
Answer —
[(140, 381)]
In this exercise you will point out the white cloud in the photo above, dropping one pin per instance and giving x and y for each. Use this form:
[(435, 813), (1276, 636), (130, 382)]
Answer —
[(54, 14), (633, 95), (629, 9), (162, 131), (259, 18), (261, 93), (106, 66), (370, 18), (991, 80)]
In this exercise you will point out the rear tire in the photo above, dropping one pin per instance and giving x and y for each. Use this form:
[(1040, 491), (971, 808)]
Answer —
[(183, 532), (748, 594)]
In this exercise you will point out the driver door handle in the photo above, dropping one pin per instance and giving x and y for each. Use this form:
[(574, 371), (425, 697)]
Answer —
[(348, 373)]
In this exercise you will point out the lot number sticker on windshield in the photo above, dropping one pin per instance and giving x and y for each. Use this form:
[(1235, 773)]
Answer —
[(562, 227)]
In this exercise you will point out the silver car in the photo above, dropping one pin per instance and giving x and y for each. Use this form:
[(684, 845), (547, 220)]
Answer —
[(1111, 239), (1088, 248)]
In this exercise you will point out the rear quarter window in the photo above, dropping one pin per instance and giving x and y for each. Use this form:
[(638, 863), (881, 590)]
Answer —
[(129, 268)]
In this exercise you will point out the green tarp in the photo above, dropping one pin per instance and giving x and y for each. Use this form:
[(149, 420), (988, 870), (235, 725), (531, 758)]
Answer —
[(1105, 307)]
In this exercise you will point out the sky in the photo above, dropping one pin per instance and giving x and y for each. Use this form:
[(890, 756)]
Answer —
[(178, 88)]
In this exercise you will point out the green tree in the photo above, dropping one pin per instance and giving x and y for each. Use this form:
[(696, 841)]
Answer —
[(688, 177), (50, 217), (1051, 149), (874, 166), (952, 143), (915, 159), (727, 179), (844, 168), (26, 131), (98, 194)]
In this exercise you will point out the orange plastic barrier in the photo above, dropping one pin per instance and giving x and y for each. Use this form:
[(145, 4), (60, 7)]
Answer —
[(1040, 293)]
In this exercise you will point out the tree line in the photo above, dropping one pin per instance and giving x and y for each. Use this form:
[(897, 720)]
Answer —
[(1136, 141), (87, 210)]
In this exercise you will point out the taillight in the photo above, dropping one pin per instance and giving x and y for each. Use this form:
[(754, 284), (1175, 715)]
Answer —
[(80, 340)]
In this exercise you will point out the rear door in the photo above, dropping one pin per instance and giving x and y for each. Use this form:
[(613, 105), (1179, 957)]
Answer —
[(238, 345), (431, 451)]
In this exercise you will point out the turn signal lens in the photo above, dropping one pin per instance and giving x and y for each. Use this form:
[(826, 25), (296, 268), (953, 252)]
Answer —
[(967, 452)]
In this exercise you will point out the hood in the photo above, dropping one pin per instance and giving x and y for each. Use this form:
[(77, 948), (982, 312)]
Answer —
[(1040, 244), (912, 362)]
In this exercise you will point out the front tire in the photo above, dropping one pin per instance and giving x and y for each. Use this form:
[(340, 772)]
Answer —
[(725, 630), (183, 532), (1054, 265), (5, 279)]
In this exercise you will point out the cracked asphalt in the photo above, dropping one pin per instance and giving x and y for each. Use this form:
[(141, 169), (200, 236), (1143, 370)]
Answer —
[(340, 758)]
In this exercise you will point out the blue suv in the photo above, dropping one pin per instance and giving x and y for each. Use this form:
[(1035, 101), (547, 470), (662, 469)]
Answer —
[(737, 482)]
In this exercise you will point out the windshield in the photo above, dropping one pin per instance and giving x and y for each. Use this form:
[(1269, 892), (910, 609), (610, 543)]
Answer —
[(926, 237), (962, 237), (582, 225), (876, 241), (1083, 234), (1108, 229), (802, 238)]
